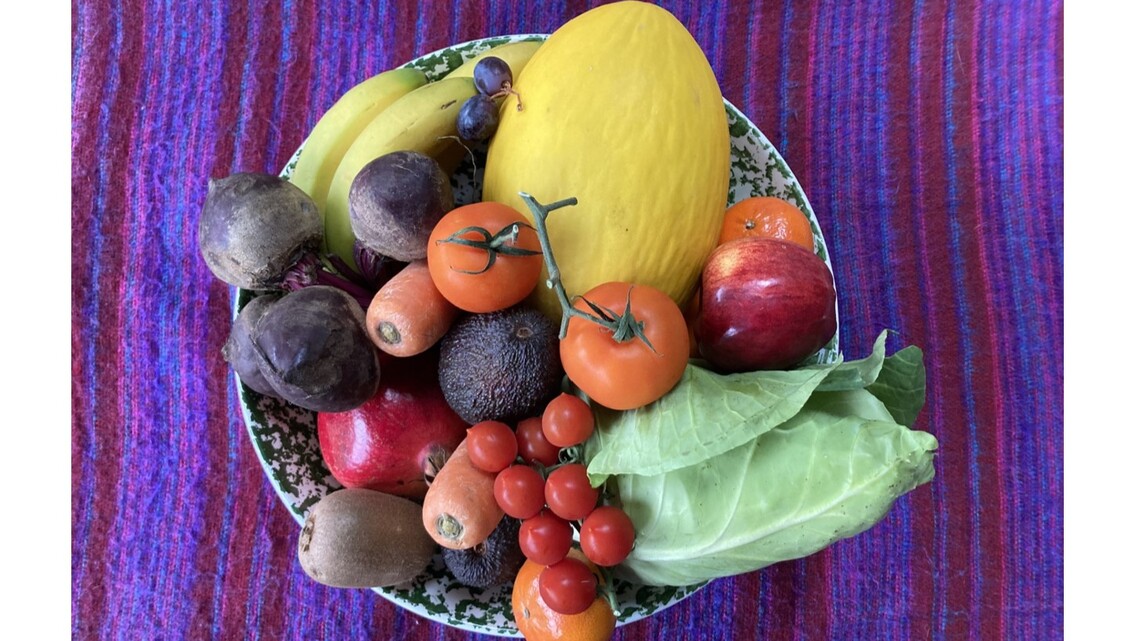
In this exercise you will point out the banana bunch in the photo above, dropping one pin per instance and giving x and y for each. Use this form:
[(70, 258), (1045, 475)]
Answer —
[(393, 111)]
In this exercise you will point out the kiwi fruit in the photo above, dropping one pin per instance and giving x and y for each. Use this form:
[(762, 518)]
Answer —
[(493, 562), (360, 538), (500, 366)]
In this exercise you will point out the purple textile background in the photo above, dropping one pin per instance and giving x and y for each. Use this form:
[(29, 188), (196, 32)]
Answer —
[(927, 134)]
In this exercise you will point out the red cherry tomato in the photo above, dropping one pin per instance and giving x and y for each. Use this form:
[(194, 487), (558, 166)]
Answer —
[(491, 446), (519, 491), (545, 539), (568, 586), (607, 535), (532, 443), (569, 494), (567, 421)]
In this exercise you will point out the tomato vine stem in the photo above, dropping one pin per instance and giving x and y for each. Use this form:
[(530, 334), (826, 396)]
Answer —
[(624, 325), (503, 242)]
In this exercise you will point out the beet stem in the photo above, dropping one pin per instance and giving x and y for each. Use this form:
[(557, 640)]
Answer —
[(345, 271), (362, 296), (309, 270)]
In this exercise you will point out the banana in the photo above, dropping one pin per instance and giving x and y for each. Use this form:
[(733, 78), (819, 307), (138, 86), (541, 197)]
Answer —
[(515, 54), (423, 121), (339, 127)]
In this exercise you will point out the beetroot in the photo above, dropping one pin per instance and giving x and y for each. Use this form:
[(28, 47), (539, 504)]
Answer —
[(241, 353), (254, 227), (313, 349), (396, 200)]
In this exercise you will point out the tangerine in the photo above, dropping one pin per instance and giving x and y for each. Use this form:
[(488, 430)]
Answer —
[(538, 622), (767, 217)]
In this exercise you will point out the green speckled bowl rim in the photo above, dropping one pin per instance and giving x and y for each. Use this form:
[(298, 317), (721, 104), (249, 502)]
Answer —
[(285, 440)]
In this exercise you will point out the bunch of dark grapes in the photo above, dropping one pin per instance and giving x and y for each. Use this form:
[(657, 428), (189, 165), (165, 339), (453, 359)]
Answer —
[(478, 117)]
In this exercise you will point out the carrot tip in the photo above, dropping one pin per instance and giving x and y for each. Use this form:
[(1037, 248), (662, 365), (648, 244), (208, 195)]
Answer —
[(449, 527), (389, 333)]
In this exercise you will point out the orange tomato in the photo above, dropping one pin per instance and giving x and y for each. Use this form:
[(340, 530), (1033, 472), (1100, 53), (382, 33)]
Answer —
[(629, 374), (538, 622), (767, 217), (475, 278)]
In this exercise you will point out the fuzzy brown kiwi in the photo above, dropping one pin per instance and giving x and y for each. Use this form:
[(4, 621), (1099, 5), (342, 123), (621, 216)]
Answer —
[(359, 538)]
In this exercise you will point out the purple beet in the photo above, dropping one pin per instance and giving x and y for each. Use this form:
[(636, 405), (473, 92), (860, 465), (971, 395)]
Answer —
[(254, 227), (312, 348)]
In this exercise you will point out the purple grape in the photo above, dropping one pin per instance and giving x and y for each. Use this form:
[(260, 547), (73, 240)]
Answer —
[(492, 76), (478, 118)]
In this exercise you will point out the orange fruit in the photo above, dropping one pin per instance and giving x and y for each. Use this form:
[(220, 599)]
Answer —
[(767, 217), (537, 622)]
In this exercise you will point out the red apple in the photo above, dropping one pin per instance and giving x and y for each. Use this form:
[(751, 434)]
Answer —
[(765, 304), (398, 439)]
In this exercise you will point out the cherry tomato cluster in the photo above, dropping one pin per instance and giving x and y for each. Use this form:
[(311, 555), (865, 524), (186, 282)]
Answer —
[(551, 498)]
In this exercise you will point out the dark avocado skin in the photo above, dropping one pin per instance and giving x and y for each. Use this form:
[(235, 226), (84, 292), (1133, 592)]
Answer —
[(493, 562), (501, 366)]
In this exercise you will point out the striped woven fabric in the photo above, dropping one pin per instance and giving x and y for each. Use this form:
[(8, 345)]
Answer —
[(928, 136)]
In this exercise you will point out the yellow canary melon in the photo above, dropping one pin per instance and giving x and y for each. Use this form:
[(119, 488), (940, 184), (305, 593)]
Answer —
[(622, 111)]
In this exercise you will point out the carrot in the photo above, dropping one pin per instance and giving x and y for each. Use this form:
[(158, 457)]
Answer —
[(409, 315), (460, 510)]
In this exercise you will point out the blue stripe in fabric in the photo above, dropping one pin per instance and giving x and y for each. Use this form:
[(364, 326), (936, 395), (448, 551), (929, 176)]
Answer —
[(228, 499), (898, 550), (276, 139), (785, 108), (941, 491), (964, 312)]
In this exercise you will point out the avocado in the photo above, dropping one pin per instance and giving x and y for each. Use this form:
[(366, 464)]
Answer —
[(500, 366), (493, 562)]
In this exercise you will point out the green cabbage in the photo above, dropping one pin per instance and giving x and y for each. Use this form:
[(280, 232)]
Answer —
[(800, 471), (707, 414)]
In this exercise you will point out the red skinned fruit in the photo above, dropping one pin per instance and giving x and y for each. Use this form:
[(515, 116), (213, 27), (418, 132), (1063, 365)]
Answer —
[(546, 538), (400, 437), (765, 304), (568, 492), (532, 444), (607, 535)]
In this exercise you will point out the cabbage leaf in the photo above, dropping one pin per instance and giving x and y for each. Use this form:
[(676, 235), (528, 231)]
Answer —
[(707, 414), (830, 472)]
